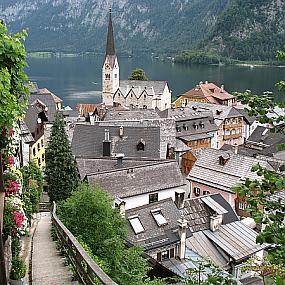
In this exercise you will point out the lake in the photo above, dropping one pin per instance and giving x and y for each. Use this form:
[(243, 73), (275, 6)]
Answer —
[(78, 79)]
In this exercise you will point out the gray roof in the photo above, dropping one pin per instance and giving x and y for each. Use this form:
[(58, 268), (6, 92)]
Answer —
[(152, 87), (207, 169), (236, 240), (136, 115), (203, 246), (197, 212), (136, 180), (48, 100), (194, 127), (278, 196), (181, 146), (31, 117), (88, 140), (219, 112), (25, 133), (88, 165), (184, 114), (155, 236)]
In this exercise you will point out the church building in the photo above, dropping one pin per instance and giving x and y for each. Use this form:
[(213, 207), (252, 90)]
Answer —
[(130, 93)]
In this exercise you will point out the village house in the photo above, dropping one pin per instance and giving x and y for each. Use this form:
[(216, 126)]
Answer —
[(145, 140), (130, 93), (218, 235), (139, 185), (233, 124), (180, 233), (206, 93), (217, 171), (34, 120)]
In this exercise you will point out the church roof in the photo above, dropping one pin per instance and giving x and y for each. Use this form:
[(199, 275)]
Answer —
[(138, 86), (110, 47)]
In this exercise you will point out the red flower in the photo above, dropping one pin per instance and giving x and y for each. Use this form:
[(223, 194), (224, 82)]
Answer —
[(11, 160), (18, 218), (10, 132)]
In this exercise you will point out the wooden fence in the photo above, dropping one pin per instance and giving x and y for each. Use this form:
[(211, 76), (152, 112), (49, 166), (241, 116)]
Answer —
[(87, 271)]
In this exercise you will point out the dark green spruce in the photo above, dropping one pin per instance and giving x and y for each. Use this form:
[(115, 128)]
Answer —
[(61, 169)]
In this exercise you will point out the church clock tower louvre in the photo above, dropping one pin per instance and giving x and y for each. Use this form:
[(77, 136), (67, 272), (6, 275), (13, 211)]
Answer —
[(110, 68)]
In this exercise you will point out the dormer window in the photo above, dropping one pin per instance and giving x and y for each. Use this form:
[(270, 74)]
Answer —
[(195, 126), (136, 224), (185, 127), (159, 218), (178, 129), (223, 159), (140, 145), (202, 125)]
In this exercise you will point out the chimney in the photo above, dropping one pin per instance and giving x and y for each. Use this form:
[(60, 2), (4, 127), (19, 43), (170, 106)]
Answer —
[(182, 226), (121, 205), (222, 88), (179, 198), (215, 222), (235, 149), (121, 131), (120, 157)]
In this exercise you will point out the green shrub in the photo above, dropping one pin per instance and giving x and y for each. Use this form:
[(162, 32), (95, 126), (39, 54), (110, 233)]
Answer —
[(18, 269)]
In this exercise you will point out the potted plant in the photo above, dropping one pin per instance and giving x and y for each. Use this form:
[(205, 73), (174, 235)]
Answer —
[(18, 272)]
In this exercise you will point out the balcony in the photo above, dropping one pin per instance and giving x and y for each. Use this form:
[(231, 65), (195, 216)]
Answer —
[(232, 136)]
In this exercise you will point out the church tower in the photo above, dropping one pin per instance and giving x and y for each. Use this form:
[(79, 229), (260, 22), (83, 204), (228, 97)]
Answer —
[(110, 69)]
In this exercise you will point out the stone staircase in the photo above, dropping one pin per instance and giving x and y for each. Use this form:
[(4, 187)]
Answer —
[(44, 204)]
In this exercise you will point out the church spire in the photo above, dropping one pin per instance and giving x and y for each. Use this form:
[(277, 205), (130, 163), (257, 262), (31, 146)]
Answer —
[(110, 47)]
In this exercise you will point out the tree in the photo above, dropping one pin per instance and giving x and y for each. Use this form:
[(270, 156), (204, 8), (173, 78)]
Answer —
[(89, 215), (138, 74), (264, 210), (61, 169)]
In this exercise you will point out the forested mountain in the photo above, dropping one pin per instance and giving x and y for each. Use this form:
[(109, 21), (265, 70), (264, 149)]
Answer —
[(251, 29)]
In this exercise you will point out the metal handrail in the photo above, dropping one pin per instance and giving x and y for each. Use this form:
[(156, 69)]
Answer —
[(85, 267)]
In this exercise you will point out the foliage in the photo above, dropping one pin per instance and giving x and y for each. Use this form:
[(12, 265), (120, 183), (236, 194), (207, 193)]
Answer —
[(61, 169), (200, 57), (32, 188), (265, 210), (138, 74), (207, 273), (13, 93), (89, 215), (18, 269)]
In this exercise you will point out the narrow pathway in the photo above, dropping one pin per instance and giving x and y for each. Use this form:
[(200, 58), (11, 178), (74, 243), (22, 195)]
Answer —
[(47, 265)]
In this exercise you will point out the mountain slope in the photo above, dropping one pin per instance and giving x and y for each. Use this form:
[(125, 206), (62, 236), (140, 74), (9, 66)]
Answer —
[(80, 25), (249, 30)]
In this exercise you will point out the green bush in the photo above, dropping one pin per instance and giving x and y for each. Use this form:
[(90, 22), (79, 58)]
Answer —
[(18, 269)]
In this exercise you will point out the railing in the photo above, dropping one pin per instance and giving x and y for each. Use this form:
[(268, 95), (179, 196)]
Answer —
[(86, 269)]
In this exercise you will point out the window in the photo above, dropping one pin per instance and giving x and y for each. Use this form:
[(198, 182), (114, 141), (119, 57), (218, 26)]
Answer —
[(206, 192), (42, 142), (242, 206), (153, 198), (144, 106), (144, 96), (140, 146), (39, 161), (43, 157), (159, 218), (115, 75), (107, 76), (166, 254), (39, 146), (197, 191), (34, 151), (136, 224)]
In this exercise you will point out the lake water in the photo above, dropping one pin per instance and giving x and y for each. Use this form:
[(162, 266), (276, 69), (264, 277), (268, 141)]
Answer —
[(78, 79)]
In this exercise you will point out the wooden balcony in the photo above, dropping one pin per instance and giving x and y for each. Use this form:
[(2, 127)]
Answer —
[(232, 136)]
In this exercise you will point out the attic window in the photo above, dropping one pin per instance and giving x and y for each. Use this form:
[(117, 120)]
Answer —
[(195, 126), (178, 128), (202, 125), (140, 145), (136, 224), (223, 159), (159, 218), (185, 127)]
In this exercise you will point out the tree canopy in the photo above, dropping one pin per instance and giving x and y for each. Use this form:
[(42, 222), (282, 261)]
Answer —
[(138, 74), (61, 169)]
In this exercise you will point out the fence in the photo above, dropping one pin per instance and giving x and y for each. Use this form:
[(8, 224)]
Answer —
[(86, 269)]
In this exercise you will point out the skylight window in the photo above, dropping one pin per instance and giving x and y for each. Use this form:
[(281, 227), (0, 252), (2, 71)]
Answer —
[(136, 224), (159, 218)]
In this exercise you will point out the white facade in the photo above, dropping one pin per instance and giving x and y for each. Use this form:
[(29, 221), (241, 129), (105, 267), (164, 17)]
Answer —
[(110, 79), (143, 199)]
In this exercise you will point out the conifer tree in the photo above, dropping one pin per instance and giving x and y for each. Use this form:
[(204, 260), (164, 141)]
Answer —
[(61, 169)]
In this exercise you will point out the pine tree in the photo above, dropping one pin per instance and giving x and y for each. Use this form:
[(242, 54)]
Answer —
[(61, 168)]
